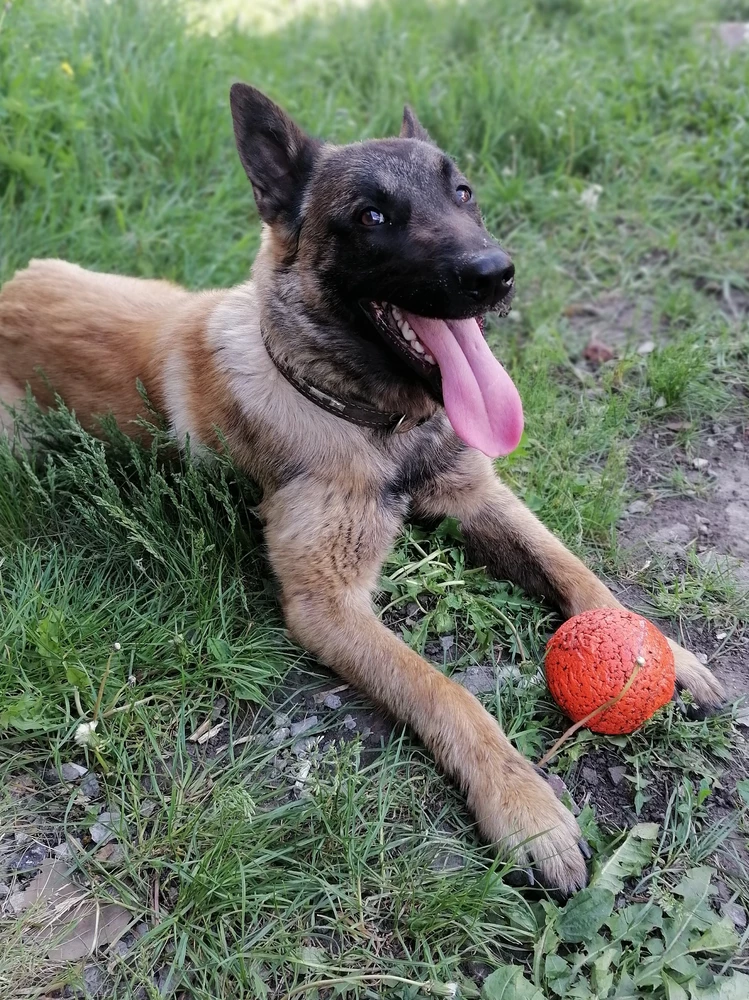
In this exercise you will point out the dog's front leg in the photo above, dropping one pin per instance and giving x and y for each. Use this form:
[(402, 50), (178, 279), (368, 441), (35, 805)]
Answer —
[(503, 535), (327, 556)]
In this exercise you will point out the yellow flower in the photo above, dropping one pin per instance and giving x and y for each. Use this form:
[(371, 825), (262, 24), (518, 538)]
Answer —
[(67, 69)]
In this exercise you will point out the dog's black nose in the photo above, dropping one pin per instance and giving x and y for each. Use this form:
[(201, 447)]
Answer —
[(488, 276)]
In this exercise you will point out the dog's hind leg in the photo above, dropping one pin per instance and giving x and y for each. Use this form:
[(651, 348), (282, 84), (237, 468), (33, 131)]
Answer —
[(327, 555), (503, 535)]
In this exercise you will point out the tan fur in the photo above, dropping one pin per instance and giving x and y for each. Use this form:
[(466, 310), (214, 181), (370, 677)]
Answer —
[(202, 360)]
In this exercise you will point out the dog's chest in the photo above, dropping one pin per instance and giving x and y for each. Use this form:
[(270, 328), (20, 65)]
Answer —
[(420, 459)]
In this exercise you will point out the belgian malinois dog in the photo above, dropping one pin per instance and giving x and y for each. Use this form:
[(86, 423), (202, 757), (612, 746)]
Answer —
[(351, 378)]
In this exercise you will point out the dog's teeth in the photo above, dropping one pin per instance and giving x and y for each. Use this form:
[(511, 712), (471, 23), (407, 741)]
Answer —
[(398, 315), (430, 359), (408, 332), (417, 346)]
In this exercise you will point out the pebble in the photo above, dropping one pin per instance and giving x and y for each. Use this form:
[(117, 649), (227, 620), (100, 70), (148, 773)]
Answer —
[(106, 826), (332, 701), (738, 446), (349, 722), (29, 859), (700, 463), (304, 746), (279, 735), (590, 776), (735, 913), (90, 786), (618, 774), (447, 642), (447, 861), (646, 347), (637, 507), (477, 680), (556, 784), (298, 728), (281, 720), (4, 890), (72, 772)]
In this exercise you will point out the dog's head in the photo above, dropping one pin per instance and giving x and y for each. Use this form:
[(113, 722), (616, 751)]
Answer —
[(387, 235)]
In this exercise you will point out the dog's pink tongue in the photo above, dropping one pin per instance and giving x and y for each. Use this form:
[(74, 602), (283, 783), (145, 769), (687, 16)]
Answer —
[(481, 400)]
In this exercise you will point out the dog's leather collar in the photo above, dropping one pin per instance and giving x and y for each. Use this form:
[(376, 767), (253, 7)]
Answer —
[(355, 413)]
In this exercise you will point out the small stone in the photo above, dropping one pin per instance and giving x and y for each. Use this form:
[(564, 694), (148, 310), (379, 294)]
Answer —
[(72, 772), (4, 890), (447, 642), (279, 735), (590, 776), (477, 680), (556, 784), (738, 446), (711, 442), (22, 838), (105, 827), (412, 609), (29, 859), (597, 351), (447, 861), (147, 808), (281, 720), (721, 635), (700, 463), (110, 854), (618, 774), (298, 728), (702, 657), (332, 701), (62, 851), (637, 507), (89, 786), (646, 347), (304, 746), (349, 722), (96, 982), (660, 403), (735, 913)]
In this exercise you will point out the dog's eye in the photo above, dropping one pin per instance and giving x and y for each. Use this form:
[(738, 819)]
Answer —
[(463, 194), (371, 217)]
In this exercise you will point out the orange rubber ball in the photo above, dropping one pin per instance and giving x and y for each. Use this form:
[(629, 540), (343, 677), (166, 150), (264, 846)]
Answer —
[(592, 656)]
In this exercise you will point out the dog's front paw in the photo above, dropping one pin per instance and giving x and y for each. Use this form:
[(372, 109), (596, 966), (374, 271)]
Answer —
[(526, 820), (705, 688)]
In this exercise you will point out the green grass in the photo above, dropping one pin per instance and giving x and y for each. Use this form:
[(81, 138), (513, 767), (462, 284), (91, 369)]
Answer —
[(116, 152)]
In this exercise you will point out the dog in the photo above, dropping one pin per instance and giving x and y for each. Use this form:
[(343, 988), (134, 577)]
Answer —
[(351, 379)]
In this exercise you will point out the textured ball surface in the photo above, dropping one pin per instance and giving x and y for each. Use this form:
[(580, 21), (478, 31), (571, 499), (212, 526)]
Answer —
[(590, 659)]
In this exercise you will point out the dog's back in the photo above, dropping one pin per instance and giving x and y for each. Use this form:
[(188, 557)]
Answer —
[(87, 336)]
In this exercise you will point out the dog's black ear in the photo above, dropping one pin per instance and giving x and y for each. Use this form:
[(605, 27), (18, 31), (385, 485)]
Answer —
[(411, 127), (276, 154)]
